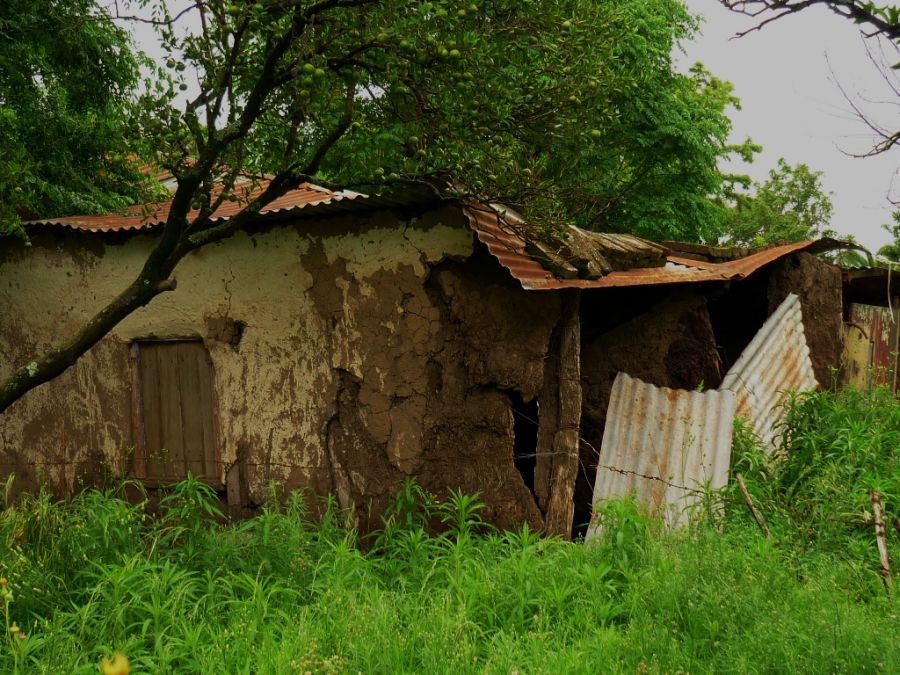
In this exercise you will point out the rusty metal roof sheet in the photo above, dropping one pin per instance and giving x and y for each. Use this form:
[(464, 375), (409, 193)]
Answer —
[(777, 360), (664, 445), (501, 235), (153, 215), (505, 242)]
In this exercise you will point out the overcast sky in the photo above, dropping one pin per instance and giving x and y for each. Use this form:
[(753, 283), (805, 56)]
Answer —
[(793, 107)]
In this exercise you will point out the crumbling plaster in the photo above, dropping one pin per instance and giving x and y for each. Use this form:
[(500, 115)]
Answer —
[(347, 354)]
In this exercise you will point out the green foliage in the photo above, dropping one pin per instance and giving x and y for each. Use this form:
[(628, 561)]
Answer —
[(791, 205), (182, 592), (815, 490), (568, 108), (892, 251), (66, 77)]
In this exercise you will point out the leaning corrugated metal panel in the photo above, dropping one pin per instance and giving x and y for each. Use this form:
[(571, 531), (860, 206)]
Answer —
[(776, 361), (664, 445)]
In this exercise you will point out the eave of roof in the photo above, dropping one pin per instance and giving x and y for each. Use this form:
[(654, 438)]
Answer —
[(504, 242), (507, 245)]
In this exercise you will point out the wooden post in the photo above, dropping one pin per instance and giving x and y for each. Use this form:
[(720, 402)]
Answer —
[(561, 507), (548, 424), (757, 516), (880, 540)]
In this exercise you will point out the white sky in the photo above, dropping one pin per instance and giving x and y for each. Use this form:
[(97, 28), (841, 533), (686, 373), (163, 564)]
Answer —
[(793, 107)]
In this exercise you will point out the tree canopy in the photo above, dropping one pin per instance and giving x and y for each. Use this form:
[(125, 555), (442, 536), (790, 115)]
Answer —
[(569, 109), (790, 205), (67, 73)]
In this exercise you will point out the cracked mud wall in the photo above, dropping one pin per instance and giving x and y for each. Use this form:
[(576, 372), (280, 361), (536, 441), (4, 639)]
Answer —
[(425, 365), (820, 288), (347, 354)]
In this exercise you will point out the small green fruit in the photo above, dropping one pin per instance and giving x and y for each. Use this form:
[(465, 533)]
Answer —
[(319, 73), (413, 140), (461, 14), (454, 54), (309, 68), (596, 133), (567, 24)]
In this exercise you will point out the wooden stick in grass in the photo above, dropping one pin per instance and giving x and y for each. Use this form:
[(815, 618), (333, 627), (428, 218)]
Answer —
[(880, 539), (757, 516)]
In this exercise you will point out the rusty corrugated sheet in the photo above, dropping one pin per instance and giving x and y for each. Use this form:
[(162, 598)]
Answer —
[(665, 445), (153, 215), (506, 244), (870, 346), (776, 361), (502, 240)]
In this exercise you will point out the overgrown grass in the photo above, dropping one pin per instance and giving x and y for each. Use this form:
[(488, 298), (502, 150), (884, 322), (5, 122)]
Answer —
[(281, 593)]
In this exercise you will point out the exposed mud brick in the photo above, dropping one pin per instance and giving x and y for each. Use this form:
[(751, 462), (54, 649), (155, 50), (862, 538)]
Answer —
[(819, 286)]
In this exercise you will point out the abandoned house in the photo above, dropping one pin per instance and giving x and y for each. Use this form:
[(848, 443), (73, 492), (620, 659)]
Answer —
[(343, 342)]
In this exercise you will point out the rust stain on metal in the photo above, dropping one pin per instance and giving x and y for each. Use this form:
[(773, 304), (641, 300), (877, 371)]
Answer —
[(870, 351), (507, 245), (776, 361), (153, 215), (665, 445)]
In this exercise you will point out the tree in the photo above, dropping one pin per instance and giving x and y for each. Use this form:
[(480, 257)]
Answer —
[(66, 74), (791, 205), (876, 21), (879, 19), (569, 109), (892, 251)]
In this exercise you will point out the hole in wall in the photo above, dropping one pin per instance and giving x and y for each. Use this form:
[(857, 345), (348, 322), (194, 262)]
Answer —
[(525, 433)]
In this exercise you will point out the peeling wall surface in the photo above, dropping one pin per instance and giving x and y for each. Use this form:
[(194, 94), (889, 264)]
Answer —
[(347, 354), (819, 287)]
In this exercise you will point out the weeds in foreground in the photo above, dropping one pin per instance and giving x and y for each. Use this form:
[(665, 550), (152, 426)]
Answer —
[(282, 593)]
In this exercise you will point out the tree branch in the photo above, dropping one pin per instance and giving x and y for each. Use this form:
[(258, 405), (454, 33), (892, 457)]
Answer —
[(859, 12)]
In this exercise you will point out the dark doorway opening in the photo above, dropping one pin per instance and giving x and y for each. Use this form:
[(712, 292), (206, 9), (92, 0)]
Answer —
[(525, 431)]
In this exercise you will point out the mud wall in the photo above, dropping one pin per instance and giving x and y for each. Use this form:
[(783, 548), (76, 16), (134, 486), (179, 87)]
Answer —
[(347, 354), (819, 286)]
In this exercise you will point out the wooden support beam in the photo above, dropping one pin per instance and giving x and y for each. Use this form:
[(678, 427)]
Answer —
[(561, 507)]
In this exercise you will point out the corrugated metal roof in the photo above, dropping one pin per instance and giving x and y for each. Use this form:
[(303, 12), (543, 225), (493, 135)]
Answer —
[(501, 236), (153, 215), (777, 360), (505, 242), (665, 445)]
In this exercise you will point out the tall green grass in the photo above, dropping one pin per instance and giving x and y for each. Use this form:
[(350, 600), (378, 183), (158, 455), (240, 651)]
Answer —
[(282, 593)]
